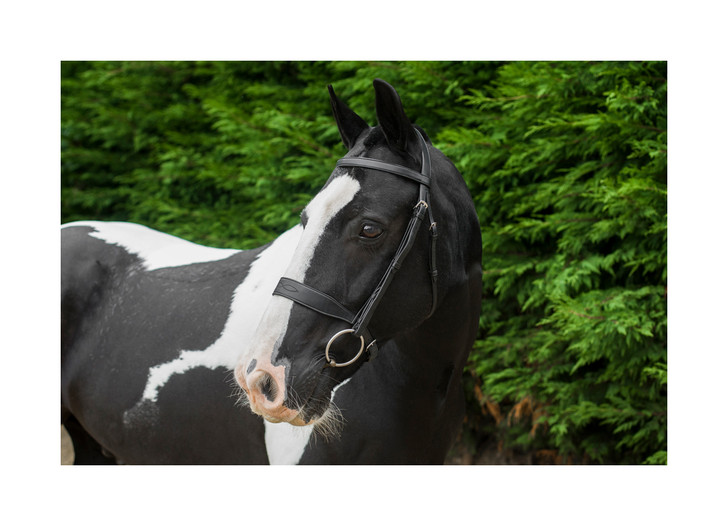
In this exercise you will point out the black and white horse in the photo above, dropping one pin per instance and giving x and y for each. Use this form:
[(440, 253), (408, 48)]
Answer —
[(162, 338)]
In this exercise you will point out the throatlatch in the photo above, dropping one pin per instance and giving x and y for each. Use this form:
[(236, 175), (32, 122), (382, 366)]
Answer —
[(327, 305)]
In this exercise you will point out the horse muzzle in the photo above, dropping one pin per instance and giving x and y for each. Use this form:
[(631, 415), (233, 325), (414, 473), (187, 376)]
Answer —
[(265, 389)]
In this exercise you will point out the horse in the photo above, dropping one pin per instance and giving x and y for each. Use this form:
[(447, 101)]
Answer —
[(348, 334)]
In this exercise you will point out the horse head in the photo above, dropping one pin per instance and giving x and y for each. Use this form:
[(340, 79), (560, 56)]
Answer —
[(390, 237)]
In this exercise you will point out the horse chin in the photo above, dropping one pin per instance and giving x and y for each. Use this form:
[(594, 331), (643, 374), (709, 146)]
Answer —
[(296, 420), (303, 419), (299, 421)]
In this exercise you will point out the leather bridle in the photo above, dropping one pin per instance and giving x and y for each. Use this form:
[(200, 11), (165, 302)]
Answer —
[(325, 304)]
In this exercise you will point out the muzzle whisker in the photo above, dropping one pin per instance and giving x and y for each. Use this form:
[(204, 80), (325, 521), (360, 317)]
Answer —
[(241, 399)]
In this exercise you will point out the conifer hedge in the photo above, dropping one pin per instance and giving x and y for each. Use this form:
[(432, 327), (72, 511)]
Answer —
[(567, 165)]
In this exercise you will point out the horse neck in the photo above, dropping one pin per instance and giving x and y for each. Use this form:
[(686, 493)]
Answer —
[(445, 339)]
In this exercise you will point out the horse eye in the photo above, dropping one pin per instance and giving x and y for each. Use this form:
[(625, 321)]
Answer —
[(370, 231)]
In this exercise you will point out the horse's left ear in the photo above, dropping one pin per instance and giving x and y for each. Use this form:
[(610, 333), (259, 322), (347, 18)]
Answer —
[(349, 123), (396, 126)]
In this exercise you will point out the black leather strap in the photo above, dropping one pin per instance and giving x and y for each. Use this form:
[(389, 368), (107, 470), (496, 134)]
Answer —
[(313, 299), (323, 304), (374, 164), (365, 313)]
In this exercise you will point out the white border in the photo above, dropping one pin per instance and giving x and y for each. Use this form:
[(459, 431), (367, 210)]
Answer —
[(36, 36)]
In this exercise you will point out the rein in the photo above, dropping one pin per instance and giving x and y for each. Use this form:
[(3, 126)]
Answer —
[(328, 306)]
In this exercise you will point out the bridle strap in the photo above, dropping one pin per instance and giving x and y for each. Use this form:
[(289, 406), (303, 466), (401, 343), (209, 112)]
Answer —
[(313, 299), (367, 311), (374, 164), (321, 303)]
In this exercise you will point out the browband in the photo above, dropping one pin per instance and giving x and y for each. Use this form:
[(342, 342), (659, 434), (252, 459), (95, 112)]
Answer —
[(402, 171)]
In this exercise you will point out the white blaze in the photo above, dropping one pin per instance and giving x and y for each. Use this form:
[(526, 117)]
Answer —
[(320, 211), (285, 443)]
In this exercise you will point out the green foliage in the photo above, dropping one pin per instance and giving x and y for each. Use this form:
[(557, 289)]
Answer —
[(567, 165), (221, 153)]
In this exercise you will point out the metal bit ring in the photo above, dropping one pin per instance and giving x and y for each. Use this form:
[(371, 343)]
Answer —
[(331, 362)]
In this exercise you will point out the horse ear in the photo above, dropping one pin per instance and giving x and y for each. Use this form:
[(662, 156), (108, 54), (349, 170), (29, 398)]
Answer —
[(349, 123), (397, 128)]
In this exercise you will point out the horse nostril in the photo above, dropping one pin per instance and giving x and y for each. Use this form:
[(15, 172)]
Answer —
[(251, 366), (268, 387)]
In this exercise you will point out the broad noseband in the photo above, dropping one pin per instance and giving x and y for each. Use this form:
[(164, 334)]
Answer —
[(325, 304)]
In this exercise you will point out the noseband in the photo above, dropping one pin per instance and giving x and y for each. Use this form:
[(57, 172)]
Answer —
[(325, 304)]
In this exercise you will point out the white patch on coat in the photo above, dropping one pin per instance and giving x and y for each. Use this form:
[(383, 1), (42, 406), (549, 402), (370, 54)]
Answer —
[(289, 255), (285, 443), (283, 256), (244, 317), (156, 249)]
